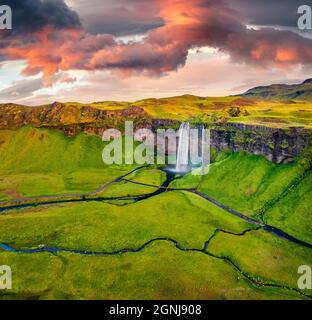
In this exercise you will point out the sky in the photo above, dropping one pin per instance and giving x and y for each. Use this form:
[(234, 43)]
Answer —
[(126, 50)]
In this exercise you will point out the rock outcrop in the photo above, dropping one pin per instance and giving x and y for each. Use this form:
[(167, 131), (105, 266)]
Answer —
[(277, 145), (70, 119)]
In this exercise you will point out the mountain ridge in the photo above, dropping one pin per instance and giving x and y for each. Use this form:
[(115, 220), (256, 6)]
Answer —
[(300, 91)]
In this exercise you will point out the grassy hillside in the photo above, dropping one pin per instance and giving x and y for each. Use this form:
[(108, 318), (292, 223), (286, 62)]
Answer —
[(279, 194), (293, 212), (244, 181), (302, 91), (38, 162), (34, 150)]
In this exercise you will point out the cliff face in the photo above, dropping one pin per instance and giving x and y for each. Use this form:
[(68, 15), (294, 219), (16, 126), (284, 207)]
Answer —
[(277, 145), (70, 119)]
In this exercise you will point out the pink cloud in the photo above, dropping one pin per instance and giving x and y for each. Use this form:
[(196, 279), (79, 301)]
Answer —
[(187, 24)]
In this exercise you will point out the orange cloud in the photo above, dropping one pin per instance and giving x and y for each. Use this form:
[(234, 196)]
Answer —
[(188, 24), (289, 55)]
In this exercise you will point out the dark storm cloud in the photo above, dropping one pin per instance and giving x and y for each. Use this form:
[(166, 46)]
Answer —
[(187, 24), (118, 17), (269, 12), (128, 17), (121, 24), (33, 15)]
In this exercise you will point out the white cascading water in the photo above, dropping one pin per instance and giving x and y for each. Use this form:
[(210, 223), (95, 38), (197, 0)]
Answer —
[(183, 148)]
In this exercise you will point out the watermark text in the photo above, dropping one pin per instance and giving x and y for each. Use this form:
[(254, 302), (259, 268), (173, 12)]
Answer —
[(5, 17), (305, 19), (305, 280), (5, 278), (185, 148)]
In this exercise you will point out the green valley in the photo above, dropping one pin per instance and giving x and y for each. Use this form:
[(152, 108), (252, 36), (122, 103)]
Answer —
[(171, 245)]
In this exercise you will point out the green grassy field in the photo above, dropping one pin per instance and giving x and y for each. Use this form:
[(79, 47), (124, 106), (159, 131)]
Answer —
[(263, 256), (38, 162), (160, 272), (148, 176), (293, 212), (244, 182), (102, 226), (276, 194)]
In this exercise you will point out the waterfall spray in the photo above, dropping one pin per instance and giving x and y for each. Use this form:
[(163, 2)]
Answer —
[(183, 149)]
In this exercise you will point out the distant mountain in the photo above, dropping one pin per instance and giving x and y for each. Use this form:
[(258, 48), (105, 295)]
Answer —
[(302, 91)]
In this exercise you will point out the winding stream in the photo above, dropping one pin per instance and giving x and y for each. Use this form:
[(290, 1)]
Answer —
[(178, 246), (159, 189)]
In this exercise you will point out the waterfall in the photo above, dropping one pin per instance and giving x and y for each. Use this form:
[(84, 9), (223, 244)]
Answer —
[(183, 148)]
